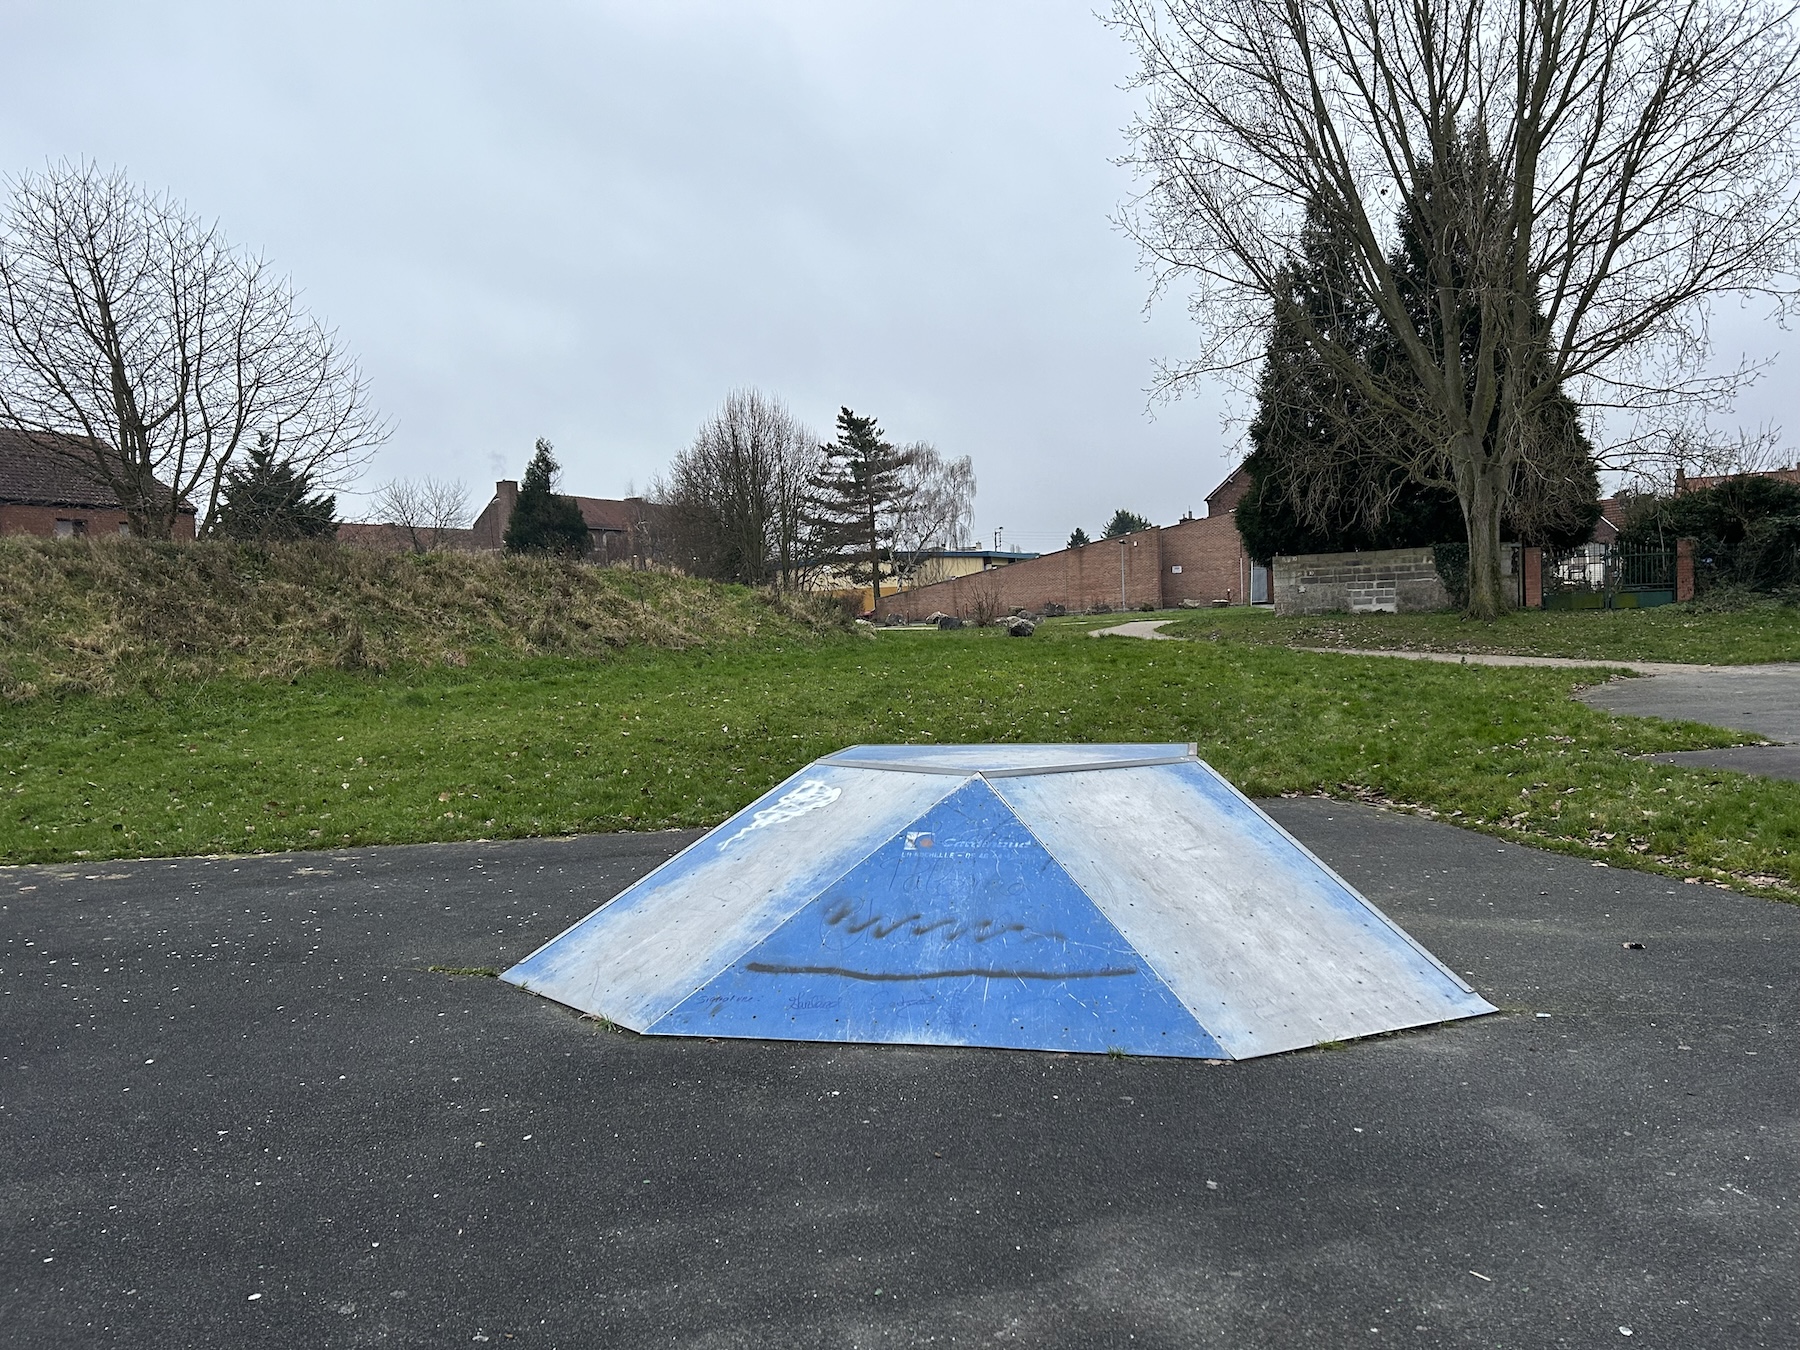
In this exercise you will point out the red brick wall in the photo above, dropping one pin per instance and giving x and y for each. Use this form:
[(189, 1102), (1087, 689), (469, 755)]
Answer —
[(41, 520), (1076, 578), (1212, 560), (1208, 551), (1227, 495), (490, 526)]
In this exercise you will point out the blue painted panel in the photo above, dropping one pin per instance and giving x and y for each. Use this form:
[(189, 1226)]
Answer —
[(634, 959), (962, 929)]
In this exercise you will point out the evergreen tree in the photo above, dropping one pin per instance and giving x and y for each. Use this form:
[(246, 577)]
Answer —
[(267, 498), (1078, 537), (542, 521), (1746, 530), (1553, 497), (854, 496), (1332, 469), (1124, 522)]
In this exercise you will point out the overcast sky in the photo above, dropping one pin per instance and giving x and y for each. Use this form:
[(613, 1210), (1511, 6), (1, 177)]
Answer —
[(590, 221)]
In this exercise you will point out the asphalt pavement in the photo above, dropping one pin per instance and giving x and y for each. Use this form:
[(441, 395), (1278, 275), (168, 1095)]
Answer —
[(1762, 700), (238, 1109)]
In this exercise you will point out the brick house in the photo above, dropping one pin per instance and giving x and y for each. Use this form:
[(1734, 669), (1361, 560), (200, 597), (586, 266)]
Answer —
[(1700, 482), (47, 493), (1201, 561), (620, 532)]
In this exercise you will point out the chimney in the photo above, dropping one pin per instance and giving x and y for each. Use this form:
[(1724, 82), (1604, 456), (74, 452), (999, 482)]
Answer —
[(490, 529)]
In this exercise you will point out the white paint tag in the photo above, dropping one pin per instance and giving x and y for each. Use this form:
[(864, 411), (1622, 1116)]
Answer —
[(808, 796)]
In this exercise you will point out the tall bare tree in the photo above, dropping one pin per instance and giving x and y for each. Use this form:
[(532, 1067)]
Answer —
[(426, 508), (736, 499), (132, 330), (1584, 175), (935, 507)]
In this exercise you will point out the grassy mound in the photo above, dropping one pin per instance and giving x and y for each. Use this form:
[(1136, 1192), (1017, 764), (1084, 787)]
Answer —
[(106, 616)]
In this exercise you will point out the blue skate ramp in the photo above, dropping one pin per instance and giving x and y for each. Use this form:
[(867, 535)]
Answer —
[(1083, 898)]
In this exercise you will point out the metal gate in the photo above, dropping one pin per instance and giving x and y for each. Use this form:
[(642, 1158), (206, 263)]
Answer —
[(1603, 576)]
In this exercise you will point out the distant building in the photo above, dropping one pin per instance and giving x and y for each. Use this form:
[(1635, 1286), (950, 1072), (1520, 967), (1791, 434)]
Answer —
[(946, 564), (1700, 482), (47, 493), (621, 532)]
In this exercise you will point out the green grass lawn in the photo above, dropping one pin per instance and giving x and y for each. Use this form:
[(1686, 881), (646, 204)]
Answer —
[(1763, 632), (652, 739)]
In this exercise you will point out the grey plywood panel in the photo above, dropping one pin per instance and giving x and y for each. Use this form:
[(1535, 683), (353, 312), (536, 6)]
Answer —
[(1268, 948), (660, 939)]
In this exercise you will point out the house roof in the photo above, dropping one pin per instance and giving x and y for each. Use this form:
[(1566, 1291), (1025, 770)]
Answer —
[(1699, 482), (38, 469), (606, 513)]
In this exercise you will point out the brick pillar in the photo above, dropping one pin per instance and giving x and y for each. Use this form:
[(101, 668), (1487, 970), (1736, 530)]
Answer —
[(1684, 570), (1533, 565)]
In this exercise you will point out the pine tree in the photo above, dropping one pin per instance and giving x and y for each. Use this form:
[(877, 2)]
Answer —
[(542, 521), (267, 498), (1078, 537), (1124, 522), (854, 496)]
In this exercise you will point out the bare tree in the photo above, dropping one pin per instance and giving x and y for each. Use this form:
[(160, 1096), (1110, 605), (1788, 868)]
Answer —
[(426, 508), (133, 329), (935, 508), (1585, 176), (736, 499)]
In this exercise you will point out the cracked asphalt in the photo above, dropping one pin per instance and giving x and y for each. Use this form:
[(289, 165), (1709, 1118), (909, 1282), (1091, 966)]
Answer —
[(238, 1108)]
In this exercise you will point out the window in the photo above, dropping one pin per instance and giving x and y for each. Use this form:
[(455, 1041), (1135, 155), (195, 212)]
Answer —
[(65, 529), (124, 529)]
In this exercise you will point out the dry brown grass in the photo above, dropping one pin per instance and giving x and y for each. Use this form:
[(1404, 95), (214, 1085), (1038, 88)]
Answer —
[(103, 616)]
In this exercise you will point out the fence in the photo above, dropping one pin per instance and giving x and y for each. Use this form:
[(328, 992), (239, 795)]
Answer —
[(1601, 576)]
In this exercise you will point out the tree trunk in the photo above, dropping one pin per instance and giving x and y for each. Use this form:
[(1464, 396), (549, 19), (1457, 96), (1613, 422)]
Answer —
[(874, 558), (1483, 499)]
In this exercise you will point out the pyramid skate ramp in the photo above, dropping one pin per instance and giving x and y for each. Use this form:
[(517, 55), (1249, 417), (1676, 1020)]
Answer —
[(1048, 897)]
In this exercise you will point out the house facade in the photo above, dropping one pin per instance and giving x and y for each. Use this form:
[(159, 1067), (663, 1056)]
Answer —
[(46, 492), (621, 532)]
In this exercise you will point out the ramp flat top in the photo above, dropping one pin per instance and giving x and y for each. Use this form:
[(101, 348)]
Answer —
[(1007, 760)]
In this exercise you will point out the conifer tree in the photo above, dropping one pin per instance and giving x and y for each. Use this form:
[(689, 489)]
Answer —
[(1124, 522), (263, 497), (543, 521), (1334, 465), (854, 496), (1078, 537)]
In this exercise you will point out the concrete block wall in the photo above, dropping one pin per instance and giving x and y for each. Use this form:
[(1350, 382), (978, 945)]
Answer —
[(1397, 580)]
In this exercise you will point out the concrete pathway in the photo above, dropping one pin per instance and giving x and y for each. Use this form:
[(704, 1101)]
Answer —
[(1502, 659), (251, 1102), (1142, 628), (1761, 700)]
